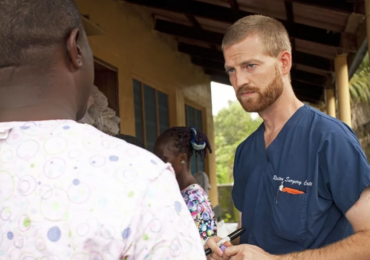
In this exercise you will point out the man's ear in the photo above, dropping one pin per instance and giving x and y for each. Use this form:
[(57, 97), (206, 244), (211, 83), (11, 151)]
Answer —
[(74, 48), (286, 62)]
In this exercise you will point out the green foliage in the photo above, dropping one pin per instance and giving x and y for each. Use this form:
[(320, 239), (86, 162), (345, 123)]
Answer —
[(360, 83), (228, 211), (227, 217), (232, 126)]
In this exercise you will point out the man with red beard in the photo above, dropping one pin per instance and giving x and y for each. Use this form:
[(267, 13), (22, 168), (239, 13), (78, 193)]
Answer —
[(301, 179)]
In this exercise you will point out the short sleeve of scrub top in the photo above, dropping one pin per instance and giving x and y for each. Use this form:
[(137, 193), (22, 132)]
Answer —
[(344, 167)]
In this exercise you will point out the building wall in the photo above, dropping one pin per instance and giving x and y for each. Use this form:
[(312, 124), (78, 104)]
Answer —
[(131, 45)]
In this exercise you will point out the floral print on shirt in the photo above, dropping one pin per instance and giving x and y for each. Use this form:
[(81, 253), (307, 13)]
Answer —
[(201, 210)]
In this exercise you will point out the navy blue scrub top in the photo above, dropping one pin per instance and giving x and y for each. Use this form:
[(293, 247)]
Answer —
[(313, 153)]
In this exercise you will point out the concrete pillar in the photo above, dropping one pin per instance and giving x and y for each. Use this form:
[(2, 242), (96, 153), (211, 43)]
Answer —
[(341, 74), (330, 102)]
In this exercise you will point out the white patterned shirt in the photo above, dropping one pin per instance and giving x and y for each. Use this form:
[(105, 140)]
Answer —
[(69, 191)]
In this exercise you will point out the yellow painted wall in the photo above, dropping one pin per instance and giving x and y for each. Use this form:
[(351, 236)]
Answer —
[(131, 45)]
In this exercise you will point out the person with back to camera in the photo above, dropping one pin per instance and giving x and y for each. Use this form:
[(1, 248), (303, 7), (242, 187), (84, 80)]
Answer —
[(301, 180), (176, 146), (67, 190)]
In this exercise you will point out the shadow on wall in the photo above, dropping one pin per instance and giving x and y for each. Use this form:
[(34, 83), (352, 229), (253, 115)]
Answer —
[(228, 212)]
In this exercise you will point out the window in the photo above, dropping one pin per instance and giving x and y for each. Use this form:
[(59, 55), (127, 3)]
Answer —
[(151, 113), (194, 118)]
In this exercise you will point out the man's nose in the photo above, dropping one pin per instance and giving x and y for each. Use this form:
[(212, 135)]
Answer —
[(240, 80)]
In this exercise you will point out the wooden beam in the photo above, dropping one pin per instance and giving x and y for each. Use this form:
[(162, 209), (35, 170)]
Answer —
[(289, 12), (227, 15), (290, 19), (308, 77), (234, 5), (197, 25), (195, 8), (309, 100), (334, 5), (298, 57), (201, 52), (307, 88), (216, 38), (188, 32), (220, 79), (208, 64), (313, 61), (213, 72), (193, 21)]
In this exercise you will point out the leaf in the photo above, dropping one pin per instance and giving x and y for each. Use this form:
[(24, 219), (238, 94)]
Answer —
[(360, 83)]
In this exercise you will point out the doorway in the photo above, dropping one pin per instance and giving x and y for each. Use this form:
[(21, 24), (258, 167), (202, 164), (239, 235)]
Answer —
[(106, 79)]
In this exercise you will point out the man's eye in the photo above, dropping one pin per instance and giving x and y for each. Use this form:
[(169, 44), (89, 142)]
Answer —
[(251, 66), (230, 71)]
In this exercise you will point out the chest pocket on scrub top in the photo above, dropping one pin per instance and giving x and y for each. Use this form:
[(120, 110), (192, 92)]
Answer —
[(290, 216)]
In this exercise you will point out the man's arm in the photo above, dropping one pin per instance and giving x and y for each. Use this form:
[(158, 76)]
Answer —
[(356, 246)]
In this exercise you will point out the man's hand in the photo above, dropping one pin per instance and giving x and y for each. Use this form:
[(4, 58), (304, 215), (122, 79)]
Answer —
[(247, 252), (217, 253)]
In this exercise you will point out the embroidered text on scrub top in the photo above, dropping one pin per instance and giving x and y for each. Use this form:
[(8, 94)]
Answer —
[(288, 180)]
